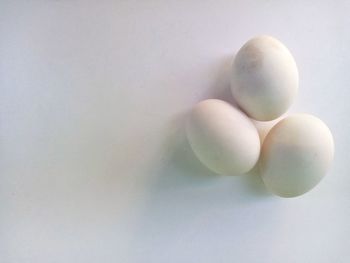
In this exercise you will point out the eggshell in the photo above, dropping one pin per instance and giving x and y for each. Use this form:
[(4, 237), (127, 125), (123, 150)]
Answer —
[(222, 137), (264, 79), (296, 155)]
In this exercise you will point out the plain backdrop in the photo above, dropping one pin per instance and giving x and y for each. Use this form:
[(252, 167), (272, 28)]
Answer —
[(94, 163)]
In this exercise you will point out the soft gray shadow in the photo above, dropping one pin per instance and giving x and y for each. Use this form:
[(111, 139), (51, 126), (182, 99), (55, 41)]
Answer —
[(220, 88), (182, 169), (254, 184)]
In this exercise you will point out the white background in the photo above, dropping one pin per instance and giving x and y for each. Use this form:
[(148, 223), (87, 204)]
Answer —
[(94, 165)]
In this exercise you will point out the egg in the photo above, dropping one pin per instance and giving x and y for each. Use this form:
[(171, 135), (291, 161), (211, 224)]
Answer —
[(296, 155), (223, 138), (264, 79)]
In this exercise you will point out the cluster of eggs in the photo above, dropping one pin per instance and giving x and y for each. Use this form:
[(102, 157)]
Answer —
[(296, 153)]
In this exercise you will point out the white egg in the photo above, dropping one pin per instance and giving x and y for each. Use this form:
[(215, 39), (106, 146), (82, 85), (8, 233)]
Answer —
[(223, 138), (296, 155), (264, 79)]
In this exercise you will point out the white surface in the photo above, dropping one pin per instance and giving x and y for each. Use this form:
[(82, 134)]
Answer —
[(94, 166)]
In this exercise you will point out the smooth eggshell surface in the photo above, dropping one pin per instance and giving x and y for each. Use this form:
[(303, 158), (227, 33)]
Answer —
[(296, 154), (223, 138), (264, 79)]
